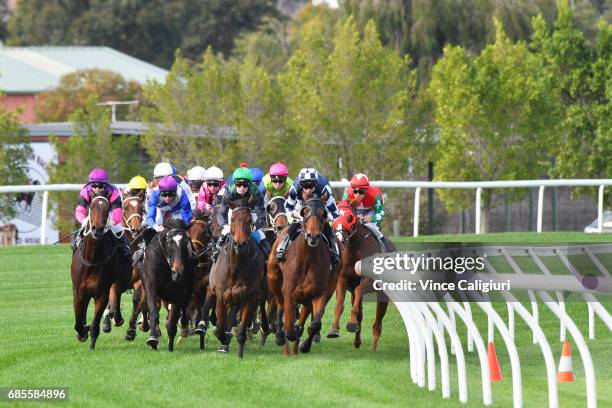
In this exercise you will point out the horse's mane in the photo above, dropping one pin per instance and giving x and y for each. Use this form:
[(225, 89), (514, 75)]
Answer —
[(199, 214), (175, 224)]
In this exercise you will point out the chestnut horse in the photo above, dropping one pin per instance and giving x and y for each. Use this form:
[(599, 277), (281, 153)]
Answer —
[(237, 278), (96, 264), (305, 278), (168, 275), (358, 242)]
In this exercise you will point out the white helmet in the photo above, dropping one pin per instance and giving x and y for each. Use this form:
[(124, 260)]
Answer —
[(163, 170), (214, 173), (197, 173)]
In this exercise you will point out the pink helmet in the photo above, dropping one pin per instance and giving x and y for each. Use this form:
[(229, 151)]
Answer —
[(98, 175), (168, 183), (279, 169)]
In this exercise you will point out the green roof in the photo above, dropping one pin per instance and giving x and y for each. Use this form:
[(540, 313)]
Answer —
[(26, 70)]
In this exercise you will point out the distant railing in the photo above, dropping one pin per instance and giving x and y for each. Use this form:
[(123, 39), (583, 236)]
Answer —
[(416, 185)]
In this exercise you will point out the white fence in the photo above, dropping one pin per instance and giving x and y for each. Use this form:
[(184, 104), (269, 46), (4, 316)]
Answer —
[(416, 185)]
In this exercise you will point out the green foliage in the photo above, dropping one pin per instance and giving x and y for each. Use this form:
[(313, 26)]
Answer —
[(495, 113), (150, 30), (75, 88), (92, 145), (582, 75), (14, 153)]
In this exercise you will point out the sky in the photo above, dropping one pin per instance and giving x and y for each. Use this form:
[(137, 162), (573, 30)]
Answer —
[(331, 3)]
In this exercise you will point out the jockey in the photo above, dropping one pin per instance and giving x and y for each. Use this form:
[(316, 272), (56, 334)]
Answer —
[(98, 186), (166, 169), (173, 203), (242, 188), (137, 187), (195, 178), (367, 202), (276, 182), (212, 189), (310, 184)]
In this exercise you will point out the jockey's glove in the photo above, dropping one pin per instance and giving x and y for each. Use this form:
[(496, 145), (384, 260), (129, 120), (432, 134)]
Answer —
[(225, 230), (158, 228)]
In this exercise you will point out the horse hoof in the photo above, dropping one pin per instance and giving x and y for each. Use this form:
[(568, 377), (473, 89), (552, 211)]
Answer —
[(106, 324), (241, 350), (352, 327), (200, 330), (152, 342), (223, 349), (280, 339), (119, 323), (333, 334), (82, 339), (304, 346), (317, 338), (130, 334)]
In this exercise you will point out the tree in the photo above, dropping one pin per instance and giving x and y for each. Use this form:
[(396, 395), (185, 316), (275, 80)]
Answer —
[(192, 120), (582, 76), (92, 145), (495, 113), (14, 153), (151, 30), (77, 87)]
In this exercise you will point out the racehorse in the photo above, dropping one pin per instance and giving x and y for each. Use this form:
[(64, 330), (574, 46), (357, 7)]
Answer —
[(168, 275), (200, 233), (133, 225), (97, 263), (305, 278), (237, 278), (357, 242)]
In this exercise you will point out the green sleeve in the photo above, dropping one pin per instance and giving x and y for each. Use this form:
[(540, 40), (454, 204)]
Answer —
[(379, 209)]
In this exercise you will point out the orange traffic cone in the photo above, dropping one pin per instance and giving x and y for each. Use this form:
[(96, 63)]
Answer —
[(494, 369), (565, 373)]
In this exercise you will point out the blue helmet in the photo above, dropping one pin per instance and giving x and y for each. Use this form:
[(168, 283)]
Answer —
[(257, 174)]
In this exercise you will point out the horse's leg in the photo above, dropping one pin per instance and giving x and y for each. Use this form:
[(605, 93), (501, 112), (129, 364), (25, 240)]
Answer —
[(289, 320), (153, 311), (100, 304), (220, 328), (131, 332), (340, 296), (305, 311), (381, 309), (110, 310), (246, 315), (80, 304), (265, 324), (357, 339), (171, 322), (353, 325), (203, 324), (318, 308)]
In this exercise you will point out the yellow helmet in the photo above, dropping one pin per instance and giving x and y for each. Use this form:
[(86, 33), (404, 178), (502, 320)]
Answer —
[(137, 183)]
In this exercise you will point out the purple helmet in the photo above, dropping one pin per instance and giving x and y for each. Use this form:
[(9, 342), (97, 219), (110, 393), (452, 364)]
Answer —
[(98, 175), (168, 183)]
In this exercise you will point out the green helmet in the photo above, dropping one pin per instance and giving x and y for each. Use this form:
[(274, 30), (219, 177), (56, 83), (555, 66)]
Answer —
[(242, 173)]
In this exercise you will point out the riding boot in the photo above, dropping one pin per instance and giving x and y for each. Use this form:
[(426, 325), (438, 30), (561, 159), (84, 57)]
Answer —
[(333, 246), (124, 247), (265, 248), (291, 233), (217, 249), (76, 240), (139, 253)]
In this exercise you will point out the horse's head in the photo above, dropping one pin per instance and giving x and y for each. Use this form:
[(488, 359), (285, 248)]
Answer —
[(240, 228), (344, 225), (178, 252), (133, 211), (314, 215), (199, 231), (275, 211), (99, 209)]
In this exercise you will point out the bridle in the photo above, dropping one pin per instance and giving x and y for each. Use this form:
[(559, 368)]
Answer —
[(231, 237), (88, 231), (126, 221)]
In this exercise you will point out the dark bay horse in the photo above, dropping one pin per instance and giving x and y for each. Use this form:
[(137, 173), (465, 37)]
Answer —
[(237, 278), (305, 278), (96, 264), (168, 275), (200, 232), (357, 242)]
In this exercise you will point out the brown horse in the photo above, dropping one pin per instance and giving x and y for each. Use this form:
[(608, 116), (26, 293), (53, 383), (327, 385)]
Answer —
[(168, 275), (133, 225), (96, 264), (358, 242), (237, 278), (305, 278)]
